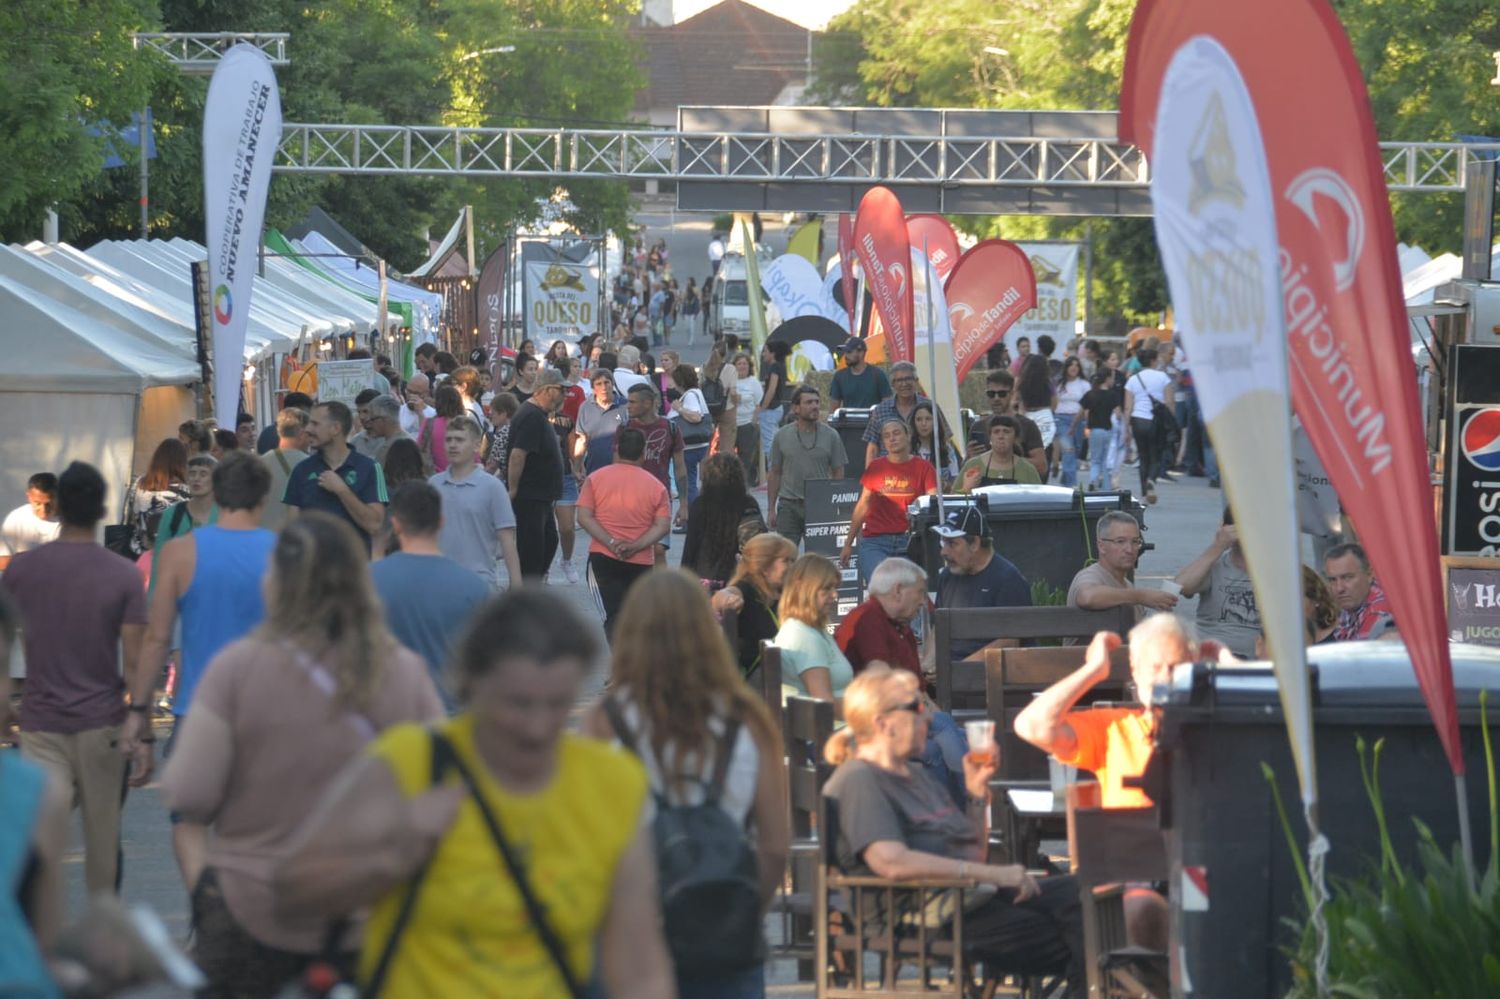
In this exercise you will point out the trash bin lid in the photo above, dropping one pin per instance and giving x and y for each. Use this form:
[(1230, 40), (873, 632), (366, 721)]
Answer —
[(1346, 675)]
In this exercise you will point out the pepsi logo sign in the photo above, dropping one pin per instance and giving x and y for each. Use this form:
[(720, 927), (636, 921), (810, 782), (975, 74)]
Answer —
[(1481, 440)]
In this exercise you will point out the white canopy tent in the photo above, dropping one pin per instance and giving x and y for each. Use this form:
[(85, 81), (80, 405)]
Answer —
[(426, 306), (82, 383)]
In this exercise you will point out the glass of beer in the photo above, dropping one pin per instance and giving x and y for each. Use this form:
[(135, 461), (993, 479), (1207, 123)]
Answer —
[(981, 736)]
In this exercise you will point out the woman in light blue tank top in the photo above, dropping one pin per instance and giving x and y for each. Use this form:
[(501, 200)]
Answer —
[(23, 785)]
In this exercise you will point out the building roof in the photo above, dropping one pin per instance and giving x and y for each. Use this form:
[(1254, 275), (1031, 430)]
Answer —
[(733, 53)]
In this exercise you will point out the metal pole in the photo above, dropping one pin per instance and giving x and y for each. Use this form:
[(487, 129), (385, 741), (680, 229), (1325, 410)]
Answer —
[(142, 134), (469, 236), (1088, 276), (937, 414), (1465, 833)]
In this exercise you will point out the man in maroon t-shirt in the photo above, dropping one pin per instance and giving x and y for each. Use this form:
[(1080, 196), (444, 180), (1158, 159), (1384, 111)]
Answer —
[(81, 605), (664, 450), (879, 630)]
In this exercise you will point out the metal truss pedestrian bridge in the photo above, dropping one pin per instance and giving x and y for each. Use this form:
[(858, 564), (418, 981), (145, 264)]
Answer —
[(821, 159)]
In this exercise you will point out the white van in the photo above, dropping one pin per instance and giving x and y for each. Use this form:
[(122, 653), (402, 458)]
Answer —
[(729, 306)]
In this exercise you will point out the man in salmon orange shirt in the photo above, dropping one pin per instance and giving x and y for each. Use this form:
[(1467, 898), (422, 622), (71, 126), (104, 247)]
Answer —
[(1114, 743), (625, 510)]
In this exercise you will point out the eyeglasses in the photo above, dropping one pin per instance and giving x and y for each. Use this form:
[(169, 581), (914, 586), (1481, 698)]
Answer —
[(902, 381), (915, 706), (1132, 542), (997, 393)]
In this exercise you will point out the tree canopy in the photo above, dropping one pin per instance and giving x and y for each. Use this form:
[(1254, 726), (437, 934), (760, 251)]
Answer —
[(1427, 64), (565, 62)]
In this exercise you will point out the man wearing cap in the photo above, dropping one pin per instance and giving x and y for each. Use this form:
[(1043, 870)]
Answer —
[(858, 384), (974, 575)]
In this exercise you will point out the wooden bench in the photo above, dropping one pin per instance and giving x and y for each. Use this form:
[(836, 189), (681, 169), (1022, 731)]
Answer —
[(808, 725), (1014, 676), (962, 686), (767, 680)]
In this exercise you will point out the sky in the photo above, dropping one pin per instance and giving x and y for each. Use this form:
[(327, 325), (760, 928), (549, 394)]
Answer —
[(813, 14)]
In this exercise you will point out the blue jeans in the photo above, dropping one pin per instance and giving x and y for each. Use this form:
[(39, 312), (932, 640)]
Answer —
[(747, 984), (693, 456), (770, 422), (943, 755), (1070, 428), (874, 550)]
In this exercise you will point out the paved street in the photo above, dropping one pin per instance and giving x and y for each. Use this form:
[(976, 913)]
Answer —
[(1189, 506)]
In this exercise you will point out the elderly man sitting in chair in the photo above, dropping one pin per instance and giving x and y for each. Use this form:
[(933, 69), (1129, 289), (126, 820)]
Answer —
[(1114, 743)]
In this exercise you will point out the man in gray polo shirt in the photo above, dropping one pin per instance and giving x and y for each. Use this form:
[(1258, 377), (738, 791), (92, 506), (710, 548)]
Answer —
[(806, 448), (479, 524)]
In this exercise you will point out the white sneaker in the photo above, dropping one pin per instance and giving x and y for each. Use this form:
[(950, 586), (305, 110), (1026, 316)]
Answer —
[(570, 573)]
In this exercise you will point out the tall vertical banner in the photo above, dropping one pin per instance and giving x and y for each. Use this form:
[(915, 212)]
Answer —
[(990, 288), (241, 129), (933, 354), (1055, 268), (934, 232), (1216, 226), (753, 289), (489, 300), (846, 264), (884, 251), (1353, 383)]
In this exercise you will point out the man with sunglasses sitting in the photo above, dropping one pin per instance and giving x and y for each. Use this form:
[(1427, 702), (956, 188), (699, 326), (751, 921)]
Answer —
[(999, 388)]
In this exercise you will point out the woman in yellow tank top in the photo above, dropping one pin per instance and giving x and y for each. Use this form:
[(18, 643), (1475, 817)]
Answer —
[(570, 808)]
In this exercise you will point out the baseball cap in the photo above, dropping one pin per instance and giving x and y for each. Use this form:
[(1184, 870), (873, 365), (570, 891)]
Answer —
[(853, 343), (964, 522)]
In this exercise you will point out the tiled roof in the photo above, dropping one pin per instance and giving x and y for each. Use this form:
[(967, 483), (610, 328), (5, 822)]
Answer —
[(733, 53)]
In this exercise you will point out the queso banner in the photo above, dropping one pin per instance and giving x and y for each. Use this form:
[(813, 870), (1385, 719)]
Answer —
[(562, 298)]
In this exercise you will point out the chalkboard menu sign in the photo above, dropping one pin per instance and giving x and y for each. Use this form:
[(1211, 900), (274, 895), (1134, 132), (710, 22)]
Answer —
[(1474, 605), (830, 504)]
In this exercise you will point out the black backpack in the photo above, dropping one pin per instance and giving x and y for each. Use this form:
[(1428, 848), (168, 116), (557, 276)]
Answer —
[(713, 396), (706, 870)]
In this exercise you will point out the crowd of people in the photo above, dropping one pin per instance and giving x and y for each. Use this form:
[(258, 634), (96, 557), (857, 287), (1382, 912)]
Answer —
[(369, 696)]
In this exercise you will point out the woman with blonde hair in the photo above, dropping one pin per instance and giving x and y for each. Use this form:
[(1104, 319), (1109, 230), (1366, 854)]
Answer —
[(812, 665), (750, 599), (896, 821), (274, 720), (677, 701)]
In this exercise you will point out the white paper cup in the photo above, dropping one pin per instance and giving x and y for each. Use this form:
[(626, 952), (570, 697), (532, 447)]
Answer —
[(1171, 586), (981, 733)]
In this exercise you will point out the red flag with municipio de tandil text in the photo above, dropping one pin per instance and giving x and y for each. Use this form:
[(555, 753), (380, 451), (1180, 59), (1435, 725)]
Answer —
[(1353, 383), (991, 287), (884, 251)]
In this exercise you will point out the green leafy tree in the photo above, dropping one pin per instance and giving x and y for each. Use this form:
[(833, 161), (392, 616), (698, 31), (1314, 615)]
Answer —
[(66, 66)]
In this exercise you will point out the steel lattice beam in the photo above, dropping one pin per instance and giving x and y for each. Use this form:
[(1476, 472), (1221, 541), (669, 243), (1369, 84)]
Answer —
[(200, 52), (629, 153)]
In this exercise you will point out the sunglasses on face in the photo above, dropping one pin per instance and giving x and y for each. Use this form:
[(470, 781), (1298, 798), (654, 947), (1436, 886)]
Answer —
[(915, 706), (997, 393)]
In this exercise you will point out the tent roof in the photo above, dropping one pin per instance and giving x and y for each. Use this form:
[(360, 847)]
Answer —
[(51, 346), (447, 260)]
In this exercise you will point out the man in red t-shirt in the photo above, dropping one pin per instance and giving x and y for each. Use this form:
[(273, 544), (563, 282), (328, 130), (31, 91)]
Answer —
[(879, 630), (625, 510), (889, 485)]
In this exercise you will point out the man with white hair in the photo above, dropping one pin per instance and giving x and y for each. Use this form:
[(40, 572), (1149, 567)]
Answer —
[(381, 418), (1113, 743), (627, 374), (879, 630)]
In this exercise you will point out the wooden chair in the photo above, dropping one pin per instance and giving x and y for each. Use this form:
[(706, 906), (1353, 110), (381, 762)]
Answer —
[(1110, 847), (1012, 678), (767, 680), (961, 685), (850, 927), (808, 726)]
